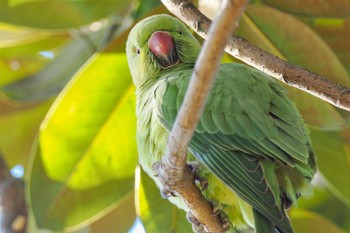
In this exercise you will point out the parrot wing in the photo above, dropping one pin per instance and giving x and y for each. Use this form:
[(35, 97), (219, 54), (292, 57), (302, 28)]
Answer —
[(247, 123)]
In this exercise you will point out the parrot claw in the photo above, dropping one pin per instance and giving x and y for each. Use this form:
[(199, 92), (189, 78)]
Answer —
[(155, 169), (196, 226), (194, 166), (226, 224), (217, 210), (202, 182), (166, 194)]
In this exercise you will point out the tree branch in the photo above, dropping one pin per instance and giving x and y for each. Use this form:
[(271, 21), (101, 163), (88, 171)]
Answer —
[(172, 170), (13, 210), (240, 48)]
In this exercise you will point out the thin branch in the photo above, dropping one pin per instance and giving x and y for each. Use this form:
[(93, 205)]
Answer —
[(243, 50), (13, 210), (173, 172)]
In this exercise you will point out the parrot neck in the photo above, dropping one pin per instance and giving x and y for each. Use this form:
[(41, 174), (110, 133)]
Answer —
[(151, 136), (164, 73)]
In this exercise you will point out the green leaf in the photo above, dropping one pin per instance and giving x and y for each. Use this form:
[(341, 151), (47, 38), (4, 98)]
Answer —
[(57, 207), (21, 55), (310, 52), (305, 221), (158, 215), (318, 197), (145, 7), (50, 80), (333, 158), (322, 201), (259, 26), (336, 33), (59, 14), (18, 130), (11, 35), (317, 113), (120, 220), (88, 137), (320, 8)]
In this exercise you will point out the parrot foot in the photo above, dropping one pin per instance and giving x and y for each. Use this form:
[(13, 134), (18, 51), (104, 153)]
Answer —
[(155, 169), (194, 166), (196, 226), (199, 228), (217, 210), (166, 193), (202, 182), (226, 224)]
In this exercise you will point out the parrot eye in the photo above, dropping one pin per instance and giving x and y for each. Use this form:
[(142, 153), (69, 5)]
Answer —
[(180, 32), (138, 51)]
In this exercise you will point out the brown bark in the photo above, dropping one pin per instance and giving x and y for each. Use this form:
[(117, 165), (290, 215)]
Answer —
[(13, 214), (172, 170), (243, 50)]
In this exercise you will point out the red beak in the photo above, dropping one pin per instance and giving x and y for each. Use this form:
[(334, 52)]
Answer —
[(162, 45)]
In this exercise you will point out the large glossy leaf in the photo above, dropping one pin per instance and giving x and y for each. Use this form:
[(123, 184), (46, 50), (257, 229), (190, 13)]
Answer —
[(320, 8), (336, 33), (50, 80), (294, 41), (119, 220), (22, 54), (33, 228), (57, 207), (18, 130), (333, 161), (58, 14), (8, 106), (146, 7), (305, 221), (11, 35), (158, 215), (88, 137)]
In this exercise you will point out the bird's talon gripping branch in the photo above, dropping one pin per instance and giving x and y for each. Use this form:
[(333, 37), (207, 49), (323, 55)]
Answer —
[(217, 209), (196, 226), (155, 169), (194, 166), (166, 193), (201, 181), (226, 224)]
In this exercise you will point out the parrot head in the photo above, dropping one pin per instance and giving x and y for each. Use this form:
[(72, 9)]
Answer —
[(159, 44)]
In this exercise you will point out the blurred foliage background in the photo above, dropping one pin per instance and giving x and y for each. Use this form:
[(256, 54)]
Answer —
[(67, 110)]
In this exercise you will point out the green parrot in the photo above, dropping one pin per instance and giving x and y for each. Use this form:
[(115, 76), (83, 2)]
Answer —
[(251, 143)]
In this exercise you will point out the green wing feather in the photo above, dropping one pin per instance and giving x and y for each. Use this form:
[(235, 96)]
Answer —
[(247, 124)]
